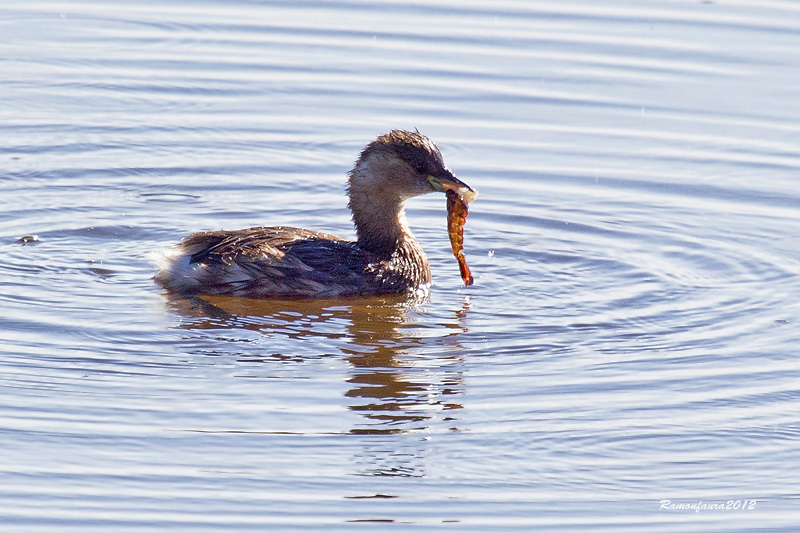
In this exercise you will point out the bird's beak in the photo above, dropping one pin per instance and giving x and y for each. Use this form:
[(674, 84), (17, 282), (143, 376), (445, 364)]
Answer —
[(450, 182)]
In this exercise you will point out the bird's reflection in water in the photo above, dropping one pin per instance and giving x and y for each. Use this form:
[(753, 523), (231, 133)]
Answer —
[(406, 373)]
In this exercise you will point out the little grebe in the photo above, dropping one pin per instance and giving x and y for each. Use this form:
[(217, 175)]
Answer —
[(292, 262)]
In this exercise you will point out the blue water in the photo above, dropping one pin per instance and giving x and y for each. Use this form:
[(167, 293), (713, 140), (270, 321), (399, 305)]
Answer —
[(631, 336)]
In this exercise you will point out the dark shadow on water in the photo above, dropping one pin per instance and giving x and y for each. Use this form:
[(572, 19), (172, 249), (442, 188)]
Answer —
[(403, 380)]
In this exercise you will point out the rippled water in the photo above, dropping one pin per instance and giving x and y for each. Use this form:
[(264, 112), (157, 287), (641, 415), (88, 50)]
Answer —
[(631, 336)]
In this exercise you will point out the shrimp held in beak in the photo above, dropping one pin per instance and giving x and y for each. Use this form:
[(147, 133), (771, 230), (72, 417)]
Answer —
[(457, 211)]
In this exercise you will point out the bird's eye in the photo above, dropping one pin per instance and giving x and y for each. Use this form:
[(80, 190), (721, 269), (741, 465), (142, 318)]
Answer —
[(421, 166)]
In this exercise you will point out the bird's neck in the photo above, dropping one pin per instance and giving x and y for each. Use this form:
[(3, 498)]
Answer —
[(378, 213)]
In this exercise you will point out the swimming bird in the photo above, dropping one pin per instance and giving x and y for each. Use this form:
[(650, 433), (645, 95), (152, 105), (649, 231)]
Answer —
[(281, 261)]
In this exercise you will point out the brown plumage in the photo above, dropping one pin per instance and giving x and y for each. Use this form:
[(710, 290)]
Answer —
[(291, 262)]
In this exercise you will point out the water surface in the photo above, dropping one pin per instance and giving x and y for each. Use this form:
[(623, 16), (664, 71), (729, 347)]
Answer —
[(630, 337)]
